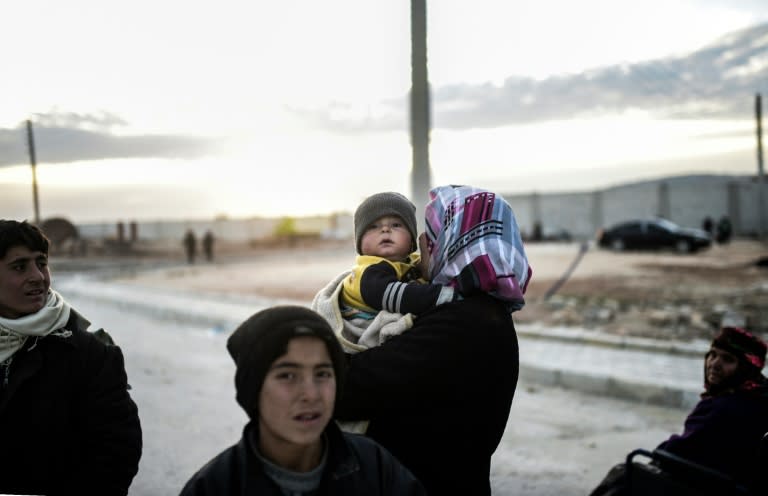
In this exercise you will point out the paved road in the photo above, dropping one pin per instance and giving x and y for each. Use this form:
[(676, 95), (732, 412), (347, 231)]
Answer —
[(659, 372), (558, 442)]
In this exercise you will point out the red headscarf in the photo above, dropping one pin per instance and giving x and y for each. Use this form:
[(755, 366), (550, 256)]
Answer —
[(751, 352)]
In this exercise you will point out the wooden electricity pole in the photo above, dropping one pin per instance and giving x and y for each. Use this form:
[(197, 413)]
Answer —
[(420, 115), (32, 160)]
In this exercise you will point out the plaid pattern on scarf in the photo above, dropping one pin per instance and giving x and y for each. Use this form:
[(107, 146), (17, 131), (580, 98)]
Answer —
[(480, 244)]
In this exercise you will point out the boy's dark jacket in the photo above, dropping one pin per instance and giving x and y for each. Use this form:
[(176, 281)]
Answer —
[(355, 466)]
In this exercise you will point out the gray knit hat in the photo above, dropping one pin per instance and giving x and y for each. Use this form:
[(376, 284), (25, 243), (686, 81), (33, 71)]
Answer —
[(264, 337), (388, 203)]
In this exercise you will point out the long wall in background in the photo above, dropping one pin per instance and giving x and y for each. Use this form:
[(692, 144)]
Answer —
[(338, 226), (685, 200)]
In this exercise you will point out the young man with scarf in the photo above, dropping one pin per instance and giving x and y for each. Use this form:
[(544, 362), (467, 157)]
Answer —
[(725, 428), (67, 422)]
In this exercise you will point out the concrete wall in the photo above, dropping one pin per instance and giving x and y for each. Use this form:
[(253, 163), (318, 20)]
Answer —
[(237, 230), (685, 200)]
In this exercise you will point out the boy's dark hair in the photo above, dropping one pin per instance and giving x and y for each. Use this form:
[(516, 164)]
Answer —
[(15, 233)]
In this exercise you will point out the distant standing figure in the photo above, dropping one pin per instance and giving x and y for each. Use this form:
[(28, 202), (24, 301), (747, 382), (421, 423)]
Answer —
[(724, 230), (537, 232), (190, 245), (708, 225), (208, 245)]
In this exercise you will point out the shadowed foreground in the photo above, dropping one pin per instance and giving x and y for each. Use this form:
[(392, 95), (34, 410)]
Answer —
[(557, 442)]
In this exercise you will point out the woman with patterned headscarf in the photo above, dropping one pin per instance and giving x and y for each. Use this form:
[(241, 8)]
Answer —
[(438, 396), (725, 428)]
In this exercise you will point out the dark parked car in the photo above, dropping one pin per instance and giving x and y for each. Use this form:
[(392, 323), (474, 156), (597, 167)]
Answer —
[(656, 234)]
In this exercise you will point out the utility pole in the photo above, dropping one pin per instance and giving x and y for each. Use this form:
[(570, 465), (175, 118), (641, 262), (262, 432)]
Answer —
[(420, 115), (760, 172), (33, 161)]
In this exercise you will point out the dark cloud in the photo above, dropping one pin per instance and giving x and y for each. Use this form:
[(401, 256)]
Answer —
[(718, 81), (68, 137)]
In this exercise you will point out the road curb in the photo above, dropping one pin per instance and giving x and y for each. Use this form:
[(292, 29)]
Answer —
[(696, 348), (642, 392), (220, 311), (225, 313)]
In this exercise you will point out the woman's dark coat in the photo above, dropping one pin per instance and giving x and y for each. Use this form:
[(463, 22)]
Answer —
[(724, 432), (355, 466), (438, 396), (67, 422)]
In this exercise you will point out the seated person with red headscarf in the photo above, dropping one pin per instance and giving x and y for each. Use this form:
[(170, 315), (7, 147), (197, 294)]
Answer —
[(725, 428)]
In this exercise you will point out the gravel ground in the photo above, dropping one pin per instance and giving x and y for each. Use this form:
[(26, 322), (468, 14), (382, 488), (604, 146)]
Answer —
[(659, 295)]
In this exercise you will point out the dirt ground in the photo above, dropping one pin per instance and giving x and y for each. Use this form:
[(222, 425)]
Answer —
[(652, 294), (557, 442), (659, 295)]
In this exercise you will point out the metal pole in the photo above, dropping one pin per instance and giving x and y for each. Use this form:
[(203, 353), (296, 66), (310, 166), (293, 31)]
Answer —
[(760, 172), (33, 161), (420, 116)]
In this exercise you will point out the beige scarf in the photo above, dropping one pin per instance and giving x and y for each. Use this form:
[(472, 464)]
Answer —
[(48, 320)]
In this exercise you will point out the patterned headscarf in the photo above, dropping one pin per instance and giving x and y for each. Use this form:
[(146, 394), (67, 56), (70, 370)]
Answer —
[(743, 344), (751, 352), (475, 245)]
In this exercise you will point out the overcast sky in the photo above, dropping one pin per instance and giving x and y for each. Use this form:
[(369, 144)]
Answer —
[(160, 109)]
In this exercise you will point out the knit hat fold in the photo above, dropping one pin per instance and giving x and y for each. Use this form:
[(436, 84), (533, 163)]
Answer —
[(388, 203)]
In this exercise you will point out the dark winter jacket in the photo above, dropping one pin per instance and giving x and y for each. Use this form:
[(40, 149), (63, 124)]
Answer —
[(67, 422), (723, 432), (355, 466), (438, 396)]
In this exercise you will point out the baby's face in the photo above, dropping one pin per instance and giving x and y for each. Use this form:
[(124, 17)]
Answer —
[(387, 237)]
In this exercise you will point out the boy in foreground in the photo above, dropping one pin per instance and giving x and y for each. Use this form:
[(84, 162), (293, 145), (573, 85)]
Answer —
[(289, 365)]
